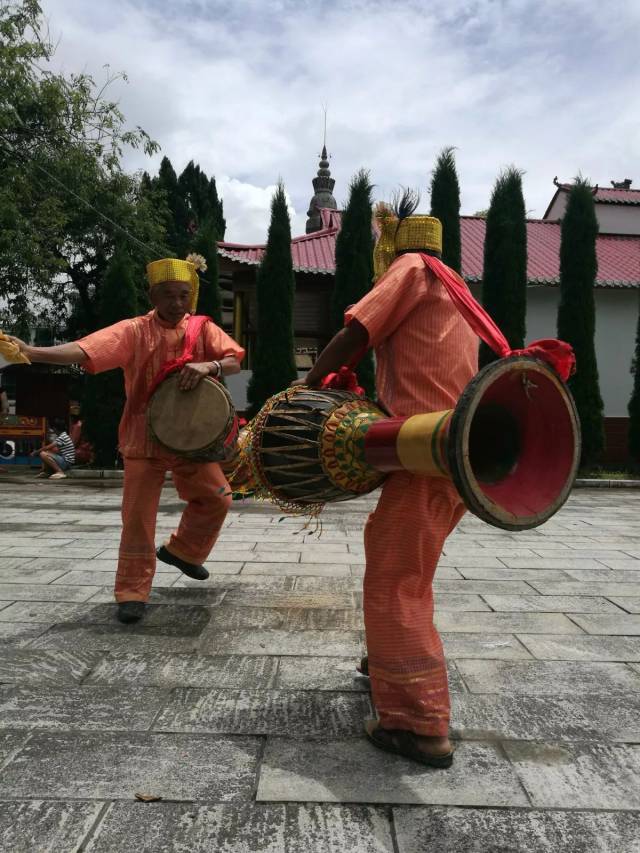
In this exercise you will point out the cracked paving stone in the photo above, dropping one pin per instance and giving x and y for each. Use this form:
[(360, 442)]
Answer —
[(24, 666), (301, 713), (171, 670), (578, 775), (547, 678), (355, 771), (90, 708), (495, 831), (115, 765), (33, 825)]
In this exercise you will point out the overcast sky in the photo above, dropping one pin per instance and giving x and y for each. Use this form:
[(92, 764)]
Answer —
[(550, 86)]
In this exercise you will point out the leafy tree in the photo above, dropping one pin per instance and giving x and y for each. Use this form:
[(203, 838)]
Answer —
[(104, 395), (576, 313), (504, 277), (445, 206), (64, 199), (274, 364), (209, 298), (354, 264), (634, 405)]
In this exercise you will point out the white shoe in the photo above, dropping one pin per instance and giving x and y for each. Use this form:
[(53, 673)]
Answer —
[(58, 476)]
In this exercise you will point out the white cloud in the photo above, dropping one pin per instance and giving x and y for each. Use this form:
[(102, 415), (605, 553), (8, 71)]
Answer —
[(550, 87)]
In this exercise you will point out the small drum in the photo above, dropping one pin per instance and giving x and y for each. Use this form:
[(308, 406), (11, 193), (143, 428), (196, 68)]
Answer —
[(308, 447), (199, 424)]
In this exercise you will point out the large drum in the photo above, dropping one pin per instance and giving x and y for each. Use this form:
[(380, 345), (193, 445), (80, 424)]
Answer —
[(307, 448), (199, 424)]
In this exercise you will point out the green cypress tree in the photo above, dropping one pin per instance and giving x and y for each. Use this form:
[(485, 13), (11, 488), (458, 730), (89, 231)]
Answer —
[(445, 206), (504, 277), (178, 220), (274, 363), (354, 265), (209, 298), (577, 315), (634, 405), (104, 396), (217, 209)]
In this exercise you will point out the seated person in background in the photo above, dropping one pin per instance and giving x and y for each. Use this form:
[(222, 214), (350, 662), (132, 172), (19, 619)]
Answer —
[(4, 402), (59, 455)]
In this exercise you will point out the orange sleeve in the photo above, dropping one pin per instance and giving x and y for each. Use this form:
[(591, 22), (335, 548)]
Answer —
[(219, 345), (389, 302), (108, 348)]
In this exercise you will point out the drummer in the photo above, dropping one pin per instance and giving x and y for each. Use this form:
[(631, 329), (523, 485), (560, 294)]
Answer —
[(141, 346)]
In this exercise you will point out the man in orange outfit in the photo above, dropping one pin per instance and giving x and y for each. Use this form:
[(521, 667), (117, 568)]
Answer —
[(141, 346), (425, 354)]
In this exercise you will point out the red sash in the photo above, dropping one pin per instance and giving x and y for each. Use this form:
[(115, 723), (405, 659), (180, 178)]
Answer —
[(194, 327)]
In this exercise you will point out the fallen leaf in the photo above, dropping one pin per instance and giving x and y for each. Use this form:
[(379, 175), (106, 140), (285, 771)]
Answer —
[(148, 798)]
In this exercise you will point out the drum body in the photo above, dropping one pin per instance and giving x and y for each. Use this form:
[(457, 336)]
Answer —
[(199, 424), (308, 447)]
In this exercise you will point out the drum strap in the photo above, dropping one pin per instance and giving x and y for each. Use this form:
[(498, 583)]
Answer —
[(556, 353), (194, 327)]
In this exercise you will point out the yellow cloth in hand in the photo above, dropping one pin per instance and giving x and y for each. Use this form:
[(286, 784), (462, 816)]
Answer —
[(11, 352)]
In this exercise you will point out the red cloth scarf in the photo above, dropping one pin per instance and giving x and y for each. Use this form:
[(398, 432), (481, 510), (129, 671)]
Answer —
[(194, 327), (556, 353)]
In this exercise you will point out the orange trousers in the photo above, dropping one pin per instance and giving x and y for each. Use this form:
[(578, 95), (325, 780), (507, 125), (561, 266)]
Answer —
[(201, 484), (403, 540)]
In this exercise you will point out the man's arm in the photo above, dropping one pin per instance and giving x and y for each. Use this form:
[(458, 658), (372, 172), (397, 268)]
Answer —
[(193, 372), (61, 354), (340, 350)]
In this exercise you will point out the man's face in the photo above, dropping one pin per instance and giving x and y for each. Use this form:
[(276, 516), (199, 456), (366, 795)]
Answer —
[(172, 300)]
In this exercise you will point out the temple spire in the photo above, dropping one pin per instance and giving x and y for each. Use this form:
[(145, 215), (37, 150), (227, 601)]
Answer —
[(323, 185)]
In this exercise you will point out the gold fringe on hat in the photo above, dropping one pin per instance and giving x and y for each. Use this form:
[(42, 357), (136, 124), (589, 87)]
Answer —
[(415, 232), (173, 269)]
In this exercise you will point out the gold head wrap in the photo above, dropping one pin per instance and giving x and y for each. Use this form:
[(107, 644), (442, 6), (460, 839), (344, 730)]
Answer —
[(173, 269), (415, 232)]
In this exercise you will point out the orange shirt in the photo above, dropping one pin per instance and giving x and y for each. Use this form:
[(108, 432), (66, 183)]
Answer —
[(425, 352), (141, 346)]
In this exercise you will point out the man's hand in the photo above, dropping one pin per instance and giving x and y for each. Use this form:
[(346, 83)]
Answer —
[(298, 383), (193, 373)]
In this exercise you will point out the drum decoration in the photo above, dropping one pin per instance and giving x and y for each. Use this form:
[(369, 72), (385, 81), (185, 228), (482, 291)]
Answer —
[(199, 424), (511, 446)]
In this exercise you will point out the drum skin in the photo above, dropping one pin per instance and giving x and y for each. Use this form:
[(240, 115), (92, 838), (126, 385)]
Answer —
[(199, 424)]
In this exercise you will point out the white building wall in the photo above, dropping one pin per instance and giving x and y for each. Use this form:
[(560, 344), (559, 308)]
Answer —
[(616, 319), (612, 218)]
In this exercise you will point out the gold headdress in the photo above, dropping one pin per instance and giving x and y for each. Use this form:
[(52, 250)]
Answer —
[(173, 269), (400, 231)]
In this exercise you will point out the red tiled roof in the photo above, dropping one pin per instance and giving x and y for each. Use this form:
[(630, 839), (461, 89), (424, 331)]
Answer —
[(618, 255), (610, 195)]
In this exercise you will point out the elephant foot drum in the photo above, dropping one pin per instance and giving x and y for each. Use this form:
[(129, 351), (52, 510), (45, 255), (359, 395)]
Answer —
[(200, 424)]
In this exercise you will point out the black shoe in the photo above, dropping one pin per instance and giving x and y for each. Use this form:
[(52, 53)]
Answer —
[(198, 573), (130, 611)]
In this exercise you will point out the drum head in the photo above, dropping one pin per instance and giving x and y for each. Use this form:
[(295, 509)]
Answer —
[(189, 421)]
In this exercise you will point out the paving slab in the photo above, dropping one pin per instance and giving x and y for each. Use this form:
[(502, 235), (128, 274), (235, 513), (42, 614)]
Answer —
[(332, 569), (28, 575), (484, 645), (422, 830), (621, 625), (298, 713), (90, 577), (551, 604), (9, 564), (585, 648), (185, 670), (606, 588), (10, 744), (24, 666), (130, 638), (483, 587), (547, 678), (249, 597), (631, 604), (73, 708), (20, 633), (354, 771), (116, 765), (506, 623), (191, 596), (46, 592), (578, 775), (289, 619), (282, 642), (504, 574), (36, 825)]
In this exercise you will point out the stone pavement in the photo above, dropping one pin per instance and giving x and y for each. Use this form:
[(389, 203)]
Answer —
[(236, 703)]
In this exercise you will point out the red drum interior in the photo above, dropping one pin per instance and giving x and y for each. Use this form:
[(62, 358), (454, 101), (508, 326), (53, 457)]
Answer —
[(522, 442)]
